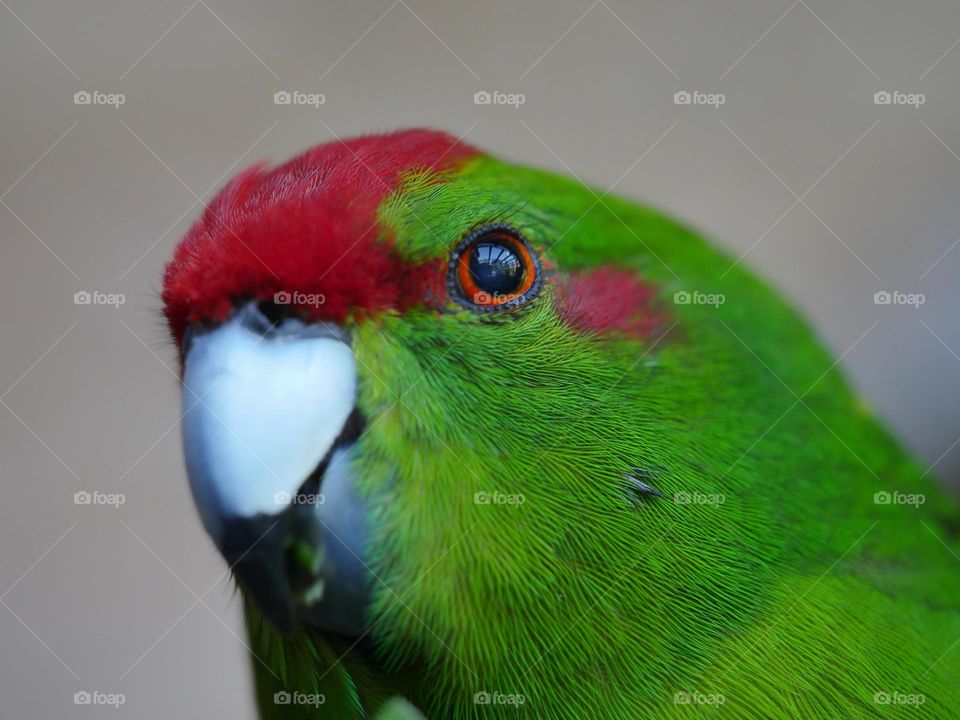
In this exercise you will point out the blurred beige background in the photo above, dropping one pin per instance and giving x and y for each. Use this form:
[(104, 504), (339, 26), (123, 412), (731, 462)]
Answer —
[(830, 196)]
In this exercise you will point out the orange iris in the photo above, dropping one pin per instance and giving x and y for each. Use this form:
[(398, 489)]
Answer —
[(482, 297)]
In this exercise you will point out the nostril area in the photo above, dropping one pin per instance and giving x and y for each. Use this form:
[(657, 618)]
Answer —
[(281, 319), (275, 313), (263, 316)]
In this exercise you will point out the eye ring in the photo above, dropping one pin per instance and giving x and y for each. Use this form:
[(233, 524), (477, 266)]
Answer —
[(494, 268)]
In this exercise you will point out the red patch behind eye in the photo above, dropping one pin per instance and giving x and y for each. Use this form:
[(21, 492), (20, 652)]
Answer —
[(309, 228), (608, 300)]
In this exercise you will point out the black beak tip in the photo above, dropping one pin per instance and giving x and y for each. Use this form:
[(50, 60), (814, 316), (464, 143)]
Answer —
[(266, 588), (254, 550)]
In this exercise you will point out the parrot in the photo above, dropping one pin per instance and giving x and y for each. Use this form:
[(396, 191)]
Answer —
[(476, 439)]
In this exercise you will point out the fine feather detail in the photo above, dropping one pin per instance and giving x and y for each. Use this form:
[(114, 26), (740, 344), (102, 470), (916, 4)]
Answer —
[(638, 483)]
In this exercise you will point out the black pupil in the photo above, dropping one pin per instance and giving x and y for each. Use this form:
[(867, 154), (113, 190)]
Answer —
[(496, 268)]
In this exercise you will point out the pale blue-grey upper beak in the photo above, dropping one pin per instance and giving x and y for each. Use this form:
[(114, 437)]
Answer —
[(269, 432)]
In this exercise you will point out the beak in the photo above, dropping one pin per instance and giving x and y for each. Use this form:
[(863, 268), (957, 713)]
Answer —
[(269, 427)]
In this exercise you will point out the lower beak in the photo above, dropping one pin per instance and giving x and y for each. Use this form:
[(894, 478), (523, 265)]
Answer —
[(269, 432), (255, 550)]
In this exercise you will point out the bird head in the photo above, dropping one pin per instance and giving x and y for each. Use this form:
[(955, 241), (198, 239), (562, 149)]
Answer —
[(416, 391)]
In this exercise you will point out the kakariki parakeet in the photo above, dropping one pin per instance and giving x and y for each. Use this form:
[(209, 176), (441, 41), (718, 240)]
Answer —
[(476, 440)]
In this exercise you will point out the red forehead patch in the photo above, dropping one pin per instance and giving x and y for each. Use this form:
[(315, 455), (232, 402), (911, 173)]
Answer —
[(308, 229)]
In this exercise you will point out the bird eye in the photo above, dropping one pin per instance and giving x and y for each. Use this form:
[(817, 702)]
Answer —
[(494, 268)]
